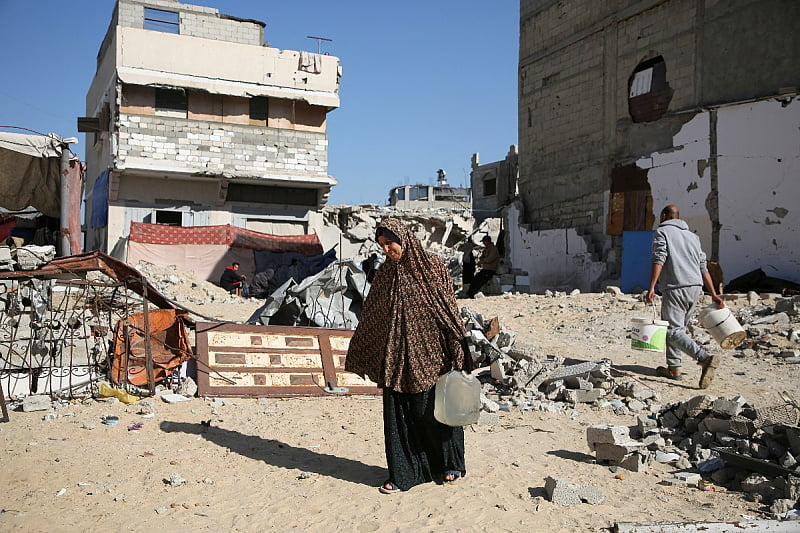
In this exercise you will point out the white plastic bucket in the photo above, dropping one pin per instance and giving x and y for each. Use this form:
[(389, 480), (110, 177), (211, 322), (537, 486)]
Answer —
[(723, 326), (648, 334)]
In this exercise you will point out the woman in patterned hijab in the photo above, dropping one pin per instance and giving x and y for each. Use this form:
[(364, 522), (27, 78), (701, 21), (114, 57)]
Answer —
[(409, 334)]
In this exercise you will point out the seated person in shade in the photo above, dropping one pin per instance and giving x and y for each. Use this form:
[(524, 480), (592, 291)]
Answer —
[(231, 280), (262, 285)]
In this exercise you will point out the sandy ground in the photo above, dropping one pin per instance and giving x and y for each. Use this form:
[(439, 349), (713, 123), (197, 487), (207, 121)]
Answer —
[(313, 464)]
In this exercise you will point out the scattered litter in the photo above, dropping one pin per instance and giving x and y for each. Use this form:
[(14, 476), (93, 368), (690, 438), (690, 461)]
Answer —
[(175, 480), (110, 420), (61, 492), (136, 426)]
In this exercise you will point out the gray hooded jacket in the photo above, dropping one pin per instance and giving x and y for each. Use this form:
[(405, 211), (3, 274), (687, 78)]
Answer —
[(678, 250)]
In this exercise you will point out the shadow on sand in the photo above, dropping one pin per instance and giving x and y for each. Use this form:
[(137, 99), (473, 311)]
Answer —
[(649, 374), (283, 455)]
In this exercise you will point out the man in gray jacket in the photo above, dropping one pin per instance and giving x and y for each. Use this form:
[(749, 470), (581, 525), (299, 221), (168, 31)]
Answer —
[(680, 264)]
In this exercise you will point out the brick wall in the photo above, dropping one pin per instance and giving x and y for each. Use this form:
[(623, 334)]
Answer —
[(239, 150)]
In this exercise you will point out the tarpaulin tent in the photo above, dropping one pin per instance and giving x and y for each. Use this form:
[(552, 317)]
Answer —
[(207, 250), (30, 175)]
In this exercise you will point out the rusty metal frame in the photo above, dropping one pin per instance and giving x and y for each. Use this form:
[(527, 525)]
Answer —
[(97, 261), (218, 362)]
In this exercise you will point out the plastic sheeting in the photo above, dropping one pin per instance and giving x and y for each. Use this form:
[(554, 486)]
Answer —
[(30, 168), (329, 299)]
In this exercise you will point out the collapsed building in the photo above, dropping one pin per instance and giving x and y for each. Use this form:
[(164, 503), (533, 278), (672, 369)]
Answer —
[(627, 107)]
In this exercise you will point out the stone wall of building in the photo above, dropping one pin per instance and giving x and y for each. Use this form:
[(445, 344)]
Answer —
[(215, 148), (195, 21)]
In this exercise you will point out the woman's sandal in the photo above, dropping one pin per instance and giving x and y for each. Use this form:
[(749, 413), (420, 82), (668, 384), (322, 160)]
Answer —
[(389, 488), (455, 474)]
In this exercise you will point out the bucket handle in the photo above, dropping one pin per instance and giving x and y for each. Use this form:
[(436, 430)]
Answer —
[(721, 321), (653, 304)]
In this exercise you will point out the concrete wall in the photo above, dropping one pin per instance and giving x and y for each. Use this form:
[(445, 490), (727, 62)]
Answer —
[(757, 164), (558, 259), (577, 61), (221, 60)]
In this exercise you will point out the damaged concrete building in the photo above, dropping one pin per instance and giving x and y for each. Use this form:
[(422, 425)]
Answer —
[(625, 107), (192, 120)]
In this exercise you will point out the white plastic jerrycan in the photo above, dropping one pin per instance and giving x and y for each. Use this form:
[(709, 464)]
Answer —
[(457, 399)]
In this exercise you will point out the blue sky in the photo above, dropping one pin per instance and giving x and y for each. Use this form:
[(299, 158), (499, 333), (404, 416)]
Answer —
[(424, 84)]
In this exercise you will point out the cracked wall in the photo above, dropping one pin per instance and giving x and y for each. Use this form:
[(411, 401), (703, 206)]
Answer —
[(733, 174)]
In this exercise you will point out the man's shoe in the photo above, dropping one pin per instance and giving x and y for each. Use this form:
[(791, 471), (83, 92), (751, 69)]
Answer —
[(671, 372), (709, 367)]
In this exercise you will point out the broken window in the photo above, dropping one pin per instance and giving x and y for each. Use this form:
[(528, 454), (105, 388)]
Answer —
[(264, 194), (172, 102), (419, 192), (489, 186), (649, 93), (160, 20), (259, 110)]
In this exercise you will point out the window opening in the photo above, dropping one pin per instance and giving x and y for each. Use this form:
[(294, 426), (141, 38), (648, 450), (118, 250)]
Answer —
[(418, 193), (172, 102), (160, 20), (649, 93), (169, 218), (264, 194), (490, 187), (259, 108)]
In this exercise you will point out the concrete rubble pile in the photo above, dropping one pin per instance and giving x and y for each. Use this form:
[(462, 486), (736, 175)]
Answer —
[(523, 376), (772, 323), (29, 257), (184, 287), (441, 231), (713, 440)]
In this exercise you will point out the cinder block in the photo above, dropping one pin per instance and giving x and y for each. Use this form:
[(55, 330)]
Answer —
[(645, 423), (698, 404), (583, 396), (636, 462), (607, 434), (714, 425), (617, 452), (728, 406), (565, 492), (692, 478)]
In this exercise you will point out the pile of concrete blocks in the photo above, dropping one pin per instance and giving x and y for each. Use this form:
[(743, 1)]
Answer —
[(723, 440), (32, 257), (727, 439), (535, 380), (614, 445), (772, 323)]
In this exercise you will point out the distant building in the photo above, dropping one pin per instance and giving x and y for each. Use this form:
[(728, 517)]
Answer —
[(494, 185), (439, 196), (625, 107), (193, 121)]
